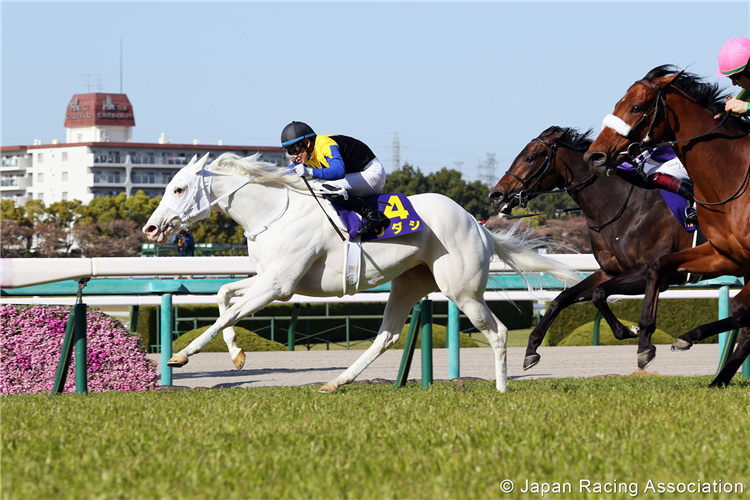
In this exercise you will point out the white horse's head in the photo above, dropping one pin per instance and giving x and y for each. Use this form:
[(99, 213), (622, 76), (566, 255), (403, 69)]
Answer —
[(186, 200)]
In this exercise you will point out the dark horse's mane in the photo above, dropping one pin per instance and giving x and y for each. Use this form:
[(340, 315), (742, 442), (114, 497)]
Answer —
[(578, 141), (708, 95)]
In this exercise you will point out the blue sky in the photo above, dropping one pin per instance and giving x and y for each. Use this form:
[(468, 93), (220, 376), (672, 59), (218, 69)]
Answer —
[(455, 80)]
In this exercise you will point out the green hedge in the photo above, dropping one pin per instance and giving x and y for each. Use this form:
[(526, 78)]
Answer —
[(675, 316), (584, 335), (438, 338), (247, 340)]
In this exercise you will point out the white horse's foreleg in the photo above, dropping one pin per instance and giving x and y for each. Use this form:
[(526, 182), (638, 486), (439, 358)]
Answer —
[(225, 294), (266, 289), (406, 290)]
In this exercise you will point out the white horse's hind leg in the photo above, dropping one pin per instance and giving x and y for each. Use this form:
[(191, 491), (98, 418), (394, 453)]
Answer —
[(406, 290), (496, 332)]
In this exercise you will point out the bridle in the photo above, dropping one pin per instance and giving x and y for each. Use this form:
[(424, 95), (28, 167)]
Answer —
[(541, 172), (636, 148)]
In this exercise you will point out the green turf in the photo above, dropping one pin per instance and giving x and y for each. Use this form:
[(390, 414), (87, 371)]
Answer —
[(456, 440)]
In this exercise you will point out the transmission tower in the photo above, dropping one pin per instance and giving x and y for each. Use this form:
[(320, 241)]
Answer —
[(486, 170), (458, 167), (396, 156)]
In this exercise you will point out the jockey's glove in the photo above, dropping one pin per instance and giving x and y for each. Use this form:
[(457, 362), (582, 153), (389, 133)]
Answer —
[(302, 170)]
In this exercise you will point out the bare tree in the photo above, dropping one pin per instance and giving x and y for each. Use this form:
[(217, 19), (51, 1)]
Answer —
[(116, 238)]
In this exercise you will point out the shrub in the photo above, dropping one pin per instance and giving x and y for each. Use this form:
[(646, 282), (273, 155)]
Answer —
[(675, 316), (438, 338), (31, 339), (247, 340), (584, 335)]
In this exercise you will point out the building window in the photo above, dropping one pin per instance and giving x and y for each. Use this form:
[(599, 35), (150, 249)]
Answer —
[(65, 156), (64, 195), (64, 176), (40, 177), (40, 196), (40, 157)]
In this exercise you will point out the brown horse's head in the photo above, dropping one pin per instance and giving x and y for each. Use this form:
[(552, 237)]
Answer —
[(638, 119), (531, 171)]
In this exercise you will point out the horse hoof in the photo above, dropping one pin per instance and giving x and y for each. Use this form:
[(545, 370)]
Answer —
[(328, 388), (177, 361), (239, 361), (628, 333), (646, 357), (530, 361), (718, 383), (681, 345)]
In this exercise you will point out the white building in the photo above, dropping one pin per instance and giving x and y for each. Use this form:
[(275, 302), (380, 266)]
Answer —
[(99, 157)]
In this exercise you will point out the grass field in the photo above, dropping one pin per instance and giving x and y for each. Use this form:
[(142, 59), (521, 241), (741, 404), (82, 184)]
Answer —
[(454, 440)]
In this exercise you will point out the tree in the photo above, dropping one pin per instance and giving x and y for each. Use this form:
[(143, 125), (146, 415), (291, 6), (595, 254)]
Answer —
[(218, 228), (114, 238), (410, 181)]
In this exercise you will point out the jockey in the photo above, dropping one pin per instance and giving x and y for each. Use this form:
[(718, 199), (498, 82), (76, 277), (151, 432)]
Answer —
[(348, 166), (733, 63), (664, 170)]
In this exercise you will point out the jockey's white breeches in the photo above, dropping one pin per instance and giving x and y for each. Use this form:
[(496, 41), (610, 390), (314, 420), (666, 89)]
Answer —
[(368, 182), (673, 167)]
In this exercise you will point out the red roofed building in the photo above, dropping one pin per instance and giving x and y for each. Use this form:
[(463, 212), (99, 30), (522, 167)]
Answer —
[(99, 157)]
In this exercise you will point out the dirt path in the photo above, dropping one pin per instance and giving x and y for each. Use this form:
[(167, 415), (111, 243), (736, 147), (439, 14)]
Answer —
[(306, 367)]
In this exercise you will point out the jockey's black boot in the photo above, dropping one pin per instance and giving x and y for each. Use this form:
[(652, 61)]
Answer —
[(686, 191), (372, 218)]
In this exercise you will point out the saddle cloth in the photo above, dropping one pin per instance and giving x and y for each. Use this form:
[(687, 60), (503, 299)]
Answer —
[(395, 206)]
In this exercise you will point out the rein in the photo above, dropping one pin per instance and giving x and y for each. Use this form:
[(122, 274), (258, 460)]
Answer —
[(324, 210), (636, 148), (542, 171), (544, 168), (617, 216)]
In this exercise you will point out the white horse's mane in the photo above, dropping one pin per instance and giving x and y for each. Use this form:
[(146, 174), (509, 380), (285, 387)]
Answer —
[(263, 172)]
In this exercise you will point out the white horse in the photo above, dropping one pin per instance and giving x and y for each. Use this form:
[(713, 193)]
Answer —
[(295, 250)]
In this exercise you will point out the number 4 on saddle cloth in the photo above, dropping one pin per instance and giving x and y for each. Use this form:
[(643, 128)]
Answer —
[(396, 206)]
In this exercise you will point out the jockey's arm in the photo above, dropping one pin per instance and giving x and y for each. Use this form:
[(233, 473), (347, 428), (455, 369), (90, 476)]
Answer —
[(335, 169)]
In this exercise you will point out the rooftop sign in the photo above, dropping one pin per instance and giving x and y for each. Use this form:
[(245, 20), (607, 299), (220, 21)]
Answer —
[(85, 110)]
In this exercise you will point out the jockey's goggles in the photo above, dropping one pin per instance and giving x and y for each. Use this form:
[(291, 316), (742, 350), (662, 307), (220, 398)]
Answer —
[(295, 149)]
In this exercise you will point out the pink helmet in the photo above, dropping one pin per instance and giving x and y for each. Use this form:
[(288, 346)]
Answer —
[(734, 56)]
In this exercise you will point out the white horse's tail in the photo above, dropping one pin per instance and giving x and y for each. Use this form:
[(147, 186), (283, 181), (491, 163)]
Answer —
[(520, 252)]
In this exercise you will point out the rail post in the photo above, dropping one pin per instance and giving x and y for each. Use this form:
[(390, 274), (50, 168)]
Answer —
[(166, 338), (292, 327), (79, 339), (723, 313), (426, 322), (454, 341), (62, 367), (597, 325), (409, 346)]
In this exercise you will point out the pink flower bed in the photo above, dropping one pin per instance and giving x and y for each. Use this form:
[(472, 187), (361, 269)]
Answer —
[(31, 339)]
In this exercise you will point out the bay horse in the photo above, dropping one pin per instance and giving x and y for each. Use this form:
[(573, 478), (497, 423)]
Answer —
[(678, 107), (629, 226), (296, 251)]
